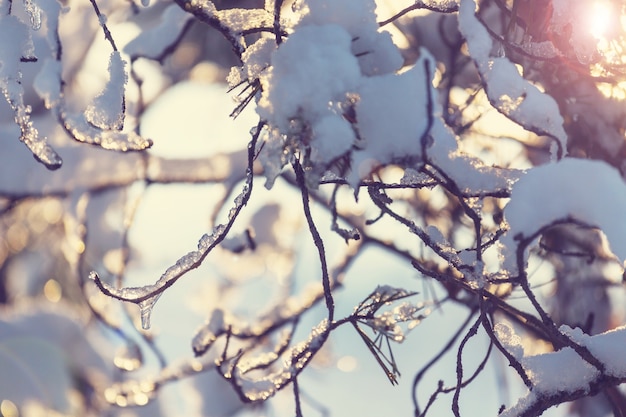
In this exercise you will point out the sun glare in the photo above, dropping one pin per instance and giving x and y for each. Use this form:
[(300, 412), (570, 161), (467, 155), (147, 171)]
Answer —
[(607, 24), (600, 19)]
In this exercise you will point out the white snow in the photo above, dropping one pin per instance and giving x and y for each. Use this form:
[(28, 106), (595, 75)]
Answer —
[(407, 95), (356, 16), (511, 341), (34, 13), (256, 58), (588, 191), (106, 111), (608, 347), (51, 9), (295, 359), (564, 371), (336, 62), (47, 83), (208, 333), (151, 42), (313, 67), (333, 137), (11, 52)]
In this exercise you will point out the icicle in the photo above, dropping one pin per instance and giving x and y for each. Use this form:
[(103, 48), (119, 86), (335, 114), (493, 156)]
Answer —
[(42, 151), (134, 293), (146, 310), (29, 135)]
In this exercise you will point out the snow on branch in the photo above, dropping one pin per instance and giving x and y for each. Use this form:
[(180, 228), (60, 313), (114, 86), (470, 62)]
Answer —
[(507, 90), (591, 192), (342, 106), (231, 23), (11, 53), (154, 42), (103, 120), (106, 111), (563, 376)]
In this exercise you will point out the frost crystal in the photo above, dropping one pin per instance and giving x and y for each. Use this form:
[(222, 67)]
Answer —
[(387, 323)]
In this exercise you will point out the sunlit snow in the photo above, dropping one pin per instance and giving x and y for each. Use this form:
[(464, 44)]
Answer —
[(587, 191)]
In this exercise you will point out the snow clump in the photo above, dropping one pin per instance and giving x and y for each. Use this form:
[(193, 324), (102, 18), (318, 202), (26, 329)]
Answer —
[(332, 94)]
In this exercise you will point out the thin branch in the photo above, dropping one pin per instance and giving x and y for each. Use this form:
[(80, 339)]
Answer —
[(418, 377), (296, 394), (102, 21), (317, 239), (277, 29), (202, 15), (513, 362), (459, 364)]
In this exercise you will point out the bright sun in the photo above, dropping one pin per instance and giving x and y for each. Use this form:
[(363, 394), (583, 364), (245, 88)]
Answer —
[(600, 19)]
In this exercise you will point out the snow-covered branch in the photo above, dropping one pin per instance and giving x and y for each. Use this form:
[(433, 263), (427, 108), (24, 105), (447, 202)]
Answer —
[(458, 157)]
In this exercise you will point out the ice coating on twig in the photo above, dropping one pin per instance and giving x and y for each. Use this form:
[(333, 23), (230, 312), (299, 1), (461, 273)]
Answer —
[(83, 131), (208, 333), (147, 296), (296, 358)]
